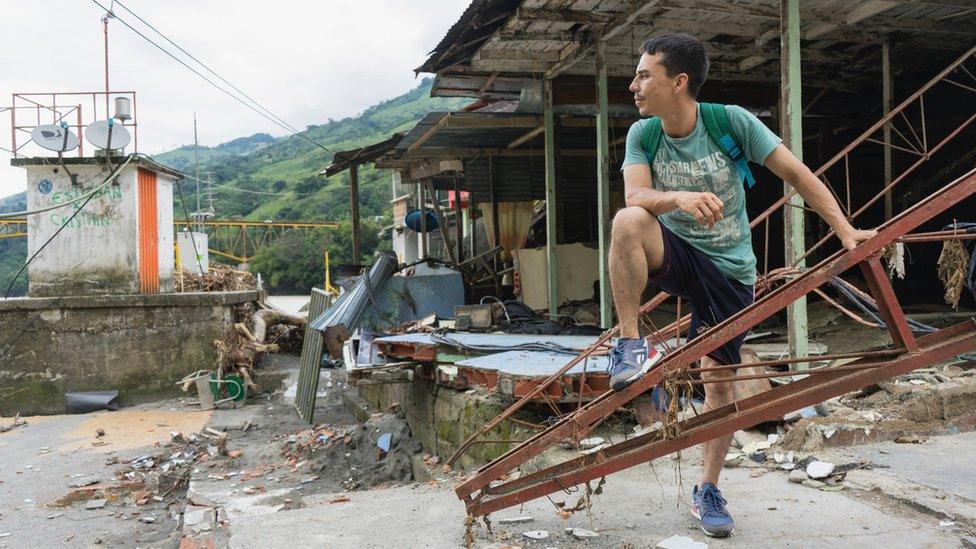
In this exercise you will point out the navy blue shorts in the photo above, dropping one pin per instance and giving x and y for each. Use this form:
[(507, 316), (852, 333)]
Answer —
[(691, 275)]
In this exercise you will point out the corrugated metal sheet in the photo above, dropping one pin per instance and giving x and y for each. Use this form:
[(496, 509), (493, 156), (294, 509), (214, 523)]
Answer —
[(311, 360), (348, 310)]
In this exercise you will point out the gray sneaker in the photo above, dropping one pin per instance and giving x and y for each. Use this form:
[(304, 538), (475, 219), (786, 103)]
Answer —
[(631, 359)]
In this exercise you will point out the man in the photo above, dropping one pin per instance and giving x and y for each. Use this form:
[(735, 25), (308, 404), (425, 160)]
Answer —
[(686, 229)]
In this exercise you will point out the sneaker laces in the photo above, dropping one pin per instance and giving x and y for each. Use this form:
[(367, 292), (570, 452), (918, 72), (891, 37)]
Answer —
[(713, 503), (616, 359)]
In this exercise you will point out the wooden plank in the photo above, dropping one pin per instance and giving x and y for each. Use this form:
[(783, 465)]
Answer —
[(791, 130), (354, 212), (441, 221), (603, 183), (561, 16), (526, 137)]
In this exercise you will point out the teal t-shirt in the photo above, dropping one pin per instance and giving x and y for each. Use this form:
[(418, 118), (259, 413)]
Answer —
[(695, 163)]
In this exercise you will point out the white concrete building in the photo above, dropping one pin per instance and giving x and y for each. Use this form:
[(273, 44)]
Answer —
[(121, 242)]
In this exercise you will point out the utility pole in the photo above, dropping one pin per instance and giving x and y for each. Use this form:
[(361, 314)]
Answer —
[(108, 15), (196, 163)]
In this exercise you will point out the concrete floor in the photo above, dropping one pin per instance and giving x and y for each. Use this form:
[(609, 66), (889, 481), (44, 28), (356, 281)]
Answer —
[(635, 510)]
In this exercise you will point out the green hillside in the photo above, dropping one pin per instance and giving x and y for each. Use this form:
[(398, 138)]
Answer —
[(288, 166)]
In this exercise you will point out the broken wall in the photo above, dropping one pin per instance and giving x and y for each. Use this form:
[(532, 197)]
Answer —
[(138, 344)]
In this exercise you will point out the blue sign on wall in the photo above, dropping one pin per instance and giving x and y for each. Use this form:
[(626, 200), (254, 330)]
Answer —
[(45, 186)]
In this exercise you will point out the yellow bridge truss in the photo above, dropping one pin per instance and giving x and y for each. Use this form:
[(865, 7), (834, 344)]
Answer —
[(236, 240)]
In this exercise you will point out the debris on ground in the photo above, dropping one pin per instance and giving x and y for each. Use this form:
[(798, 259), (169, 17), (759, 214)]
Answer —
[(17, 422), (680, 542), (220, 278), (278, 328), (237, 352), (351, 456)]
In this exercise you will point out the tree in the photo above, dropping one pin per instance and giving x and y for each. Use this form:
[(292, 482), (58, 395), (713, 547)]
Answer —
[(295, 262)]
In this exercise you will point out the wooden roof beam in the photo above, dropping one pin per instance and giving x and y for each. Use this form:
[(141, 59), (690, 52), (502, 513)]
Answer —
[(561, 16)]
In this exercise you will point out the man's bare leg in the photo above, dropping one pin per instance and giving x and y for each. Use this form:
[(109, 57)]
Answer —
[(636, 247), (717, 394)]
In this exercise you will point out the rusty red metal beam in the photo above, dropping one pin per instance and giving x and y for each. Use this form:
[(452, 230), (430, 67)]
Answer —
[(599, 408), (742, 414)]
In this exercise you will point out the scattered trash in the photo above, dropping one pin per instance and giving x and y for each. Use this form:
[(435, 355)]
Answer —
[(148, 519), (515, 520), (819, 469), (17, 422), (944, 523), (680, 542), (536, 534)]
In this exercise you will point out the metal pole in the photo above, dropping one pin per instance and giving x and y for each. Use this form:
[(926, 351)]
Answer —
[(496, 230), (603, 183), (423, 220), (550, 146), (791, 129), (887, 89), (354, 211), (458, 227), (196, 173), (105, 31)]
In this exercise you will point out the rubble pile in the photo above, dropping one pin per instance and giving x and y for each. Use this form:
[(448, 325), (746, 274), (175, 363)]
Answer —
[(169, 469), (220, 278), (375, 453), (926, 401), (237, 352)]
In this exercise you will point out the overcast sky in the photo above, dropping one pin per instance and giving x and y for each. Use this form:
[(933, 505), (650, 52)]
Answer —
[(306, 60)]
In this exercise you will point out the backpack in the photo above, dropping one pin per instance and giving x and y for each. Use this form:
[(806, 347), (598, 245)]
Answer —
[(716, 120)]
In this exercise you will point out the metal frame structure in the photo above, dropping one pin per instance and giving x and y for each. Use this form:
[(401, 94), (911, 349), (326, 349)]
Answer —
[(482, 497), (46, 109)]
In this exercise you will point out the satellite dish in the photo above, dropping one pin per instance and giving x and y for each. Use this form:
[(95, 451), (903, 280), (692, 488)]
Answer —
[(97, 133), (54, 138)]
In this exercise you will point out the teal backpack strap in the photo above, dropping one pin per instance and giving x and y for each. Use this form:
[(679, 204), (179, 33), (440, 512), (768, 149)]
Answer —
[(716, 120), (651, 137)]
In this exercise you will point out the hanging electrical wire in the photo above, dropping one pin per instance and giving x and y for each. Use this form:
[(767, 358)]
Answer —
[(272, 119), (85, 197)]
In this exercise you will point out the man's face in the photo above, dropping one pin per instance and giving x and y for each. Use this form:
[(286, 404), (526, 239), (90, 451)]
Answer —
[(654, 91)]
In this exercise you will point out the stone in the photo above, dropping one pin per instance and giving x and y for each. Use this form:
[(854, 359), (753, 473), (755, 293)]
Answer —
[(811, 483), (195, 515), (95, 504), (536, 534), (968, 541), (733, 459), (515, 520), (742, 438), (819, 469), (584, 317), (680, 542), (591, 442), (756, 447), (583, 533), (798, 476)]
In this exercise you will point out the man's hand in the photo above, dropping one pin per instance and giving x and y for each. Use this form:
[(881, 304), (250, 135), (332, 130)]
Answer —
[(852, 237), (706, 207)]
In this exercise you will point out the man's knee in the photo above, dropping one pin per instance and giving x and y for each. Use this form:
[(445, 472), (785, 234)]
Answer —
[(632, 220)]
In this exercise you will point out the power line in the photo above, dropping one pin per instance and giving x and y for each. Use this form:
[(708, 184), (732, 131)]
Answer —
[(204, 65), (231, 188), (214, 84)]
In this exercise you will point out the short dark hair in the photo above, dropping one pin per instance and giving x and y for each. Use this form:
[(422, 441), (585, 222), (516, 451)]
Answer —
[(681, 53)]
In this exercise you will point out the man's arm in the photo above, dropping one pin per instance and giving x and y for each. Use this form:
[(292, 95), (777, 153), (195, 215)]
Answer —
[(788, 167), (706, 207)]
